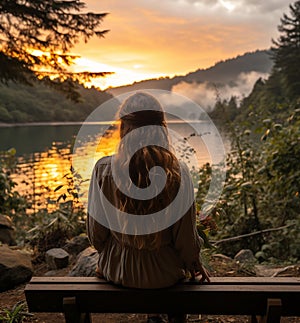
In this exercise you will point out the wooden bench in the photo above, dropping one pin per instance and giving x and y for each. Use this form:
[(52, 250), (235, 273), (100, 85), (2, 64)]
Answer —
[(263, 299)]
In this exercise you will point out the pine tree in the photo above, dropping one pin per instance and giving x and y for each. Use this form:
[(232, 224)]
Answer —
[(286, 52), (36, 36)]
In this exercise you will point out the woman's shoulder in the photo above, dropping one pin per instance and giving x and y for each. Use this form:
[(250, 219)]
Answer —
[(104, 161), (184, 168), (102, 165)]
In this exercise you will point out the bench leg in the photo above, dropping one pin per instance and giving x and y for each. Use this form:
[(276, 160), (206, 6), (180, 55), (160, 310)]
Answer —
[(252, 319), (273, 314), (72, 313), (274, 310)]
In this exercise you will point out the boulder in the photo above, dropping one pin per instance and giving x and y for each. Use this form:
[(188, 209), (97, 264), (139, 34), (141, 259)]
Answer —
[(15, 268), (7, 232), (57, 258), (77, 244), (86, 263), (245, 256)]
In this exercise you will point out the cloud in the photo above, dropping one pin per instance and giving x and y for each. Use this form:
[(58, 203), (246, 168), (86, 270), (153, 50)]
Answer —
[(206, 94), (179, 36), (260, 6), (242, 6)]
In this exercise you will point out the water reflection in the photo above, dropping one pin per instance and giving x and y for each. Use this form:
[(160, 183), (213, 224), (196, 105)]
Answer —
[(38, 138), (39, 173)]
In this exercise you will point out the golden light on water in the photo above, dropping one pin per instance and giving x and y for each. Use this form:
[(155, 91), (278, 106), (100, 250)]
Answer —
[(108, 144), (50, 170), (44, 172), (39, 176)]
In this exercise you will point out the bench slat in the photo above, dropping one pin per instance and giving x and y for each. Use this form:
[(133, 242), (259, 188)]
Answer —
[(214, 280), (222, 296), (178, 288)]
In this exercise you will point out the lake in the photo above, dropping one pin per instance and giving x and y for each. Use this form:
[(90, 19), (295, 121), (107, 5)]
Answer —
[(45, 153)]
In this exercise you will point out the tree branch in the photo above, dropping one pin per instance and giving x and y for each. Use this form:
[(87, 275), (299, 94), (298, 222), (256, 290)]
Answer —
[(251, 234)]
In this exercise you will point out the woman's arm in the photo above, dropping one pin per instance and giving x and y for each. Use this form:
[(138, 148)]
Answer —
[(97, 233), (187, 241), (188, 244)]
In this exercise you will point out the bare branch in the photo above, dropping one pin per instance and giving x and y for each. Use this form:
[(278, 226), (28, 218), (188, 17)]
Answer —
[(251, 234)]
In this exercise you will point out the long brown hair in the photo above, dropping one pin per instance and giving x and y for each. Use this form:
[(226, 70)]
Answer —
[(139, 111)]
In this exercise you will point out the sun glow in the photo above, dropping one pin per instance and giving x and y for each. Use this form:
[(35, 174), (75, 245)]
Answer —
[(120, 76)]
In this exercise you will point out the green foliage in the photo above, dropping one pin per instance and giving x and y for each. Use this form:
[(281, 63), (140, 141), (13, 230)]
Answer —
[(22, 103), (236, 212), (42, 229), (11, 202), (68, 220), (286, 52), (263, 169), (274, 98), (52, 230), (261, 190), (4, 114), (282, 155), (16, 314), (204, 182), (225, 110), (281, 171)]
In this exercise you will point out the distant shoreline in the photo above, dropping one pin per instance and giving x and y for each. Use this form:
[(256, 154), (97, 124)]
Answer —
[(50, 123), (53, 123), (77, 123)]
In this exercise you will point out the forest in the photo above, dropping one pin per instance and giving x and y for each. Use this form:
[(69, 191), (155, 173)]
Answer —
[(21, 103), (262, 189)]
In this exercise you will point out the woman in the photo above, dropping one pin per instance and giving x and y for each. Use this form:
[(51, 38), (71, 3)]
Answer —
[(167, 252)]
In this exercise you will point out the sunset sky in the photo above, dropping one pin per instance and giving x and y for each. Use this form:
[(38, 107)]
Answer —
[(153, 38)]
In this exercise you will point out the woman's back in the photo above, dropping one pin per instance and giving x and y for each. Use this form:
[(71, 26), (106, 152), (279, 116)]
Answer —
[(141, 215), (142, 261)]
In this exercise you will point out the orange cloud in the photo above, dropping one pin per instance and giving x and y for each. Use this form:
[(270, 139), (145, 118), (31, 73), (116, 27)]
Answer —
[(153, 38)]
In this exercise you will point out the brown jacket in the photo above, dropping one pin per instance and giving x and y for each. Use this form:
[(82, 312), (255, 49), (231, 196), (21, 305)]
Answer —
[(121, 261)]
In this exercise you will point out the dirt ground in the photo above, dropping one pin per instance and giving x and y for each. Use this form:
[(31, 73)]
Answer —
[(219, 266)]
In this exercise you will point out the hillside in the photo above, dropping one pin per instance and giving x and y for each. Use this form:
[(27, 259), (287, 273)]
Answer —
[(224, 72), (39, 103), (232, 77)]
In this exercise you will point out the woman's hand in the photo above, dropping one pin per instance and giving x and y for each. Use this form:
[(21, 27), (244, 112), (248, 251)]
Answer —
[(203, 272)]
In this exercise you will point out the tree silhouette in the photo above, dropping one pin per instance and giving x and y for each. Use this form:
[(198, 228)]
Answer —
[(286, 52), (36, 36)]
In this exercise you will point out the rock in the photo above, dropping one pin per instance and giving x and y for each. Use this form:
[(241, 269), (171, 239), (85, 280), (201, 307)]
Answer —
[(7, 232), (86, 263), (260, 256), (15, 268), (7, 236), (77, 244), (57, 258), (245, 256), (5, 221)]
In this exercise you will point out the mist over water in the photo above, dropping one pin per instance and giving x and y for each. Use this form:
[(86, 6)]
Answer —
[(206, 94)]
